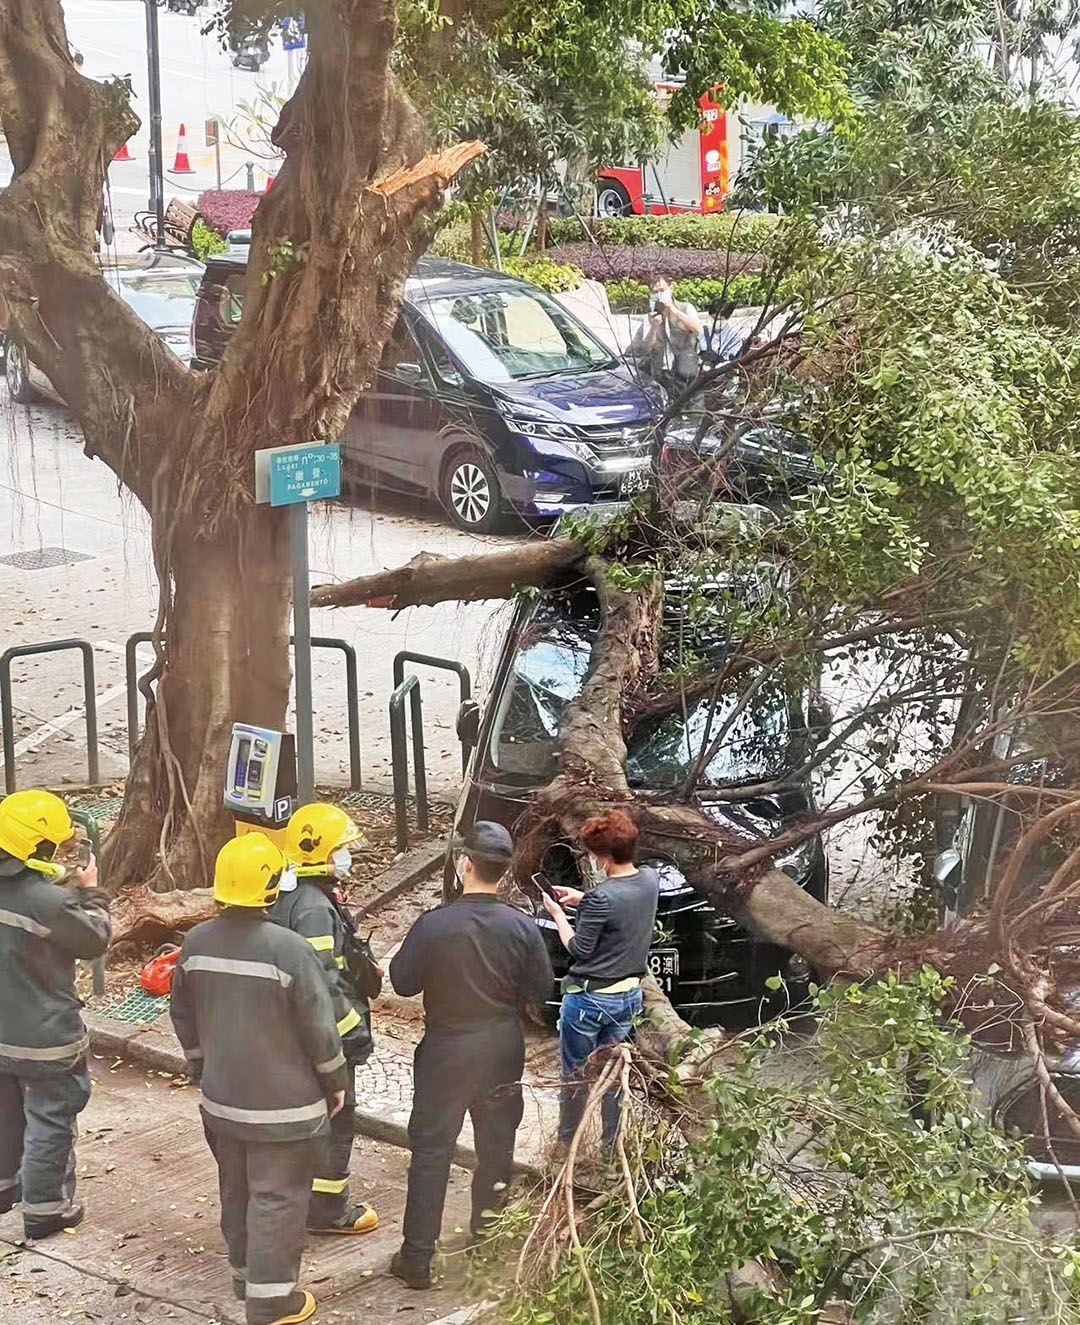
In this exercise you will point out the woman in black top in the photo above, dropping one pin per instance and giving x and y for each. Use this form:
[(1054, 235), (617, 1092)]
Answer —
[(609, 956)]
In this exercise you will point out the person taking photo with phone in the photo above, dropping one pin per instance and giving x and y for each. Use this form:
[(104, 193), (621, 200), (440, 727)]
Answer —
[(609, 958), (668, 347), (51, 914)]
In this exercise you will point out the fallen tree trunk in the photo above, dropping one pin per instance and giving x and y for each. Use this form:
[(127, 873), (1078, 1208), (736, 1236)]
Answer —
[(429, 578)]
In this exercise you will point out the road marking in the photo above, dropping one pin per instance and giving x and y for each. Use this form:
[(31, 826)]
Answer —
[(59, 725)]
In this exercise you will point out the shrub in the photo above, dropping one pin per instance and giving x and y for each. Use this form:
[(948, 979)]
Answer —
[(741, 232), (228, 209), (205, 241), (746, 290), (554, 277)]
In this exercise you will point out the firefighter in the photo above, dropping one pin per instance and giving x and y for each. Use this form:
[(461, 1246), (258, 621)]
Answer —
[(253, 1014), (312, 905), (49, 916)]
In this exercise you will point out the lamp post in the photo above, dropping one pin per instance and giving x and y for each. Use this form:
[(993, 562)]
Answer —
[(157, 177)]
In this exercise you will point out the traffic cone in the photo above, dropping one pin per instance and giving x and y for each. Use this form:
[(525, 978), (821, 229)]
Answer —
[(181, 166), (123, 154)]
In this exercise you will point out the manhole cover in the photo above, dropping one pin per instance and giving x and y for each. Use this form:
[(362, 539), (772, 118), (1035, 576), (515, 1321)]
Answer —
[(43, 558)]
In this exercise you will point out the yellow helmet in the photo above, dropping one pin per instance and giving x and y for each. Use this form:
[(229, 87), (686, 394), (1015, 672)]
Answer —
[(248, 871), (316, 831), (28, 818)]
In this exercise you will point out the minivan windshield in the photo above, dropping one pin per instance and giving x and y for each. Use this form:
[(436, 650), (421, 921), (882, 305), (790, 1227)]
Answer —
[(549, 671), (501, 335)]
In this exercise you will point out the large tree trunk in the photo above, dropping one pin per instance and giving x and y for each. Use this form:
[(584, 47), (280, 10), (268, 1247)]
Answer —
[(226, 661)]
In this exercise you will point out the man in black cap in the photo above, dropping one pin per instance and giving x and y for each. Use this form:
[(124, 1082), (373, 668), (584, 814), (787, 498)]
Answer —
[(476, 960)]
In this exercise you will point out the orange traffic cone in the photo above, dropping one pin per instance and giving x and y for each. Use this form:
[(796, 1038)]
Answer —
[(181, 166), (123, 154)]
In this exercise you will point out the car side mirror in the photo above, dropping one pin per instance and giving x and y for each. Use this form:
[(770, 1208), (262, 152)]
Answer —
[(819, 719), (468, 723), (410, 372)]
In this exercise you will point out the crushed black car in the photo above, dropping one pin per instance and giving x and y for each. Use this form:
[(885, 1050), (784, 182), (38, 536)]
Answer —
[(712, 970)]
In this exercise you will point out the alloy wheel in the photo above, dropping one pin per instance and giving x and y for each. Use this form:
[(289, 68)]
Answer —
[(470, 492), (14, 371)]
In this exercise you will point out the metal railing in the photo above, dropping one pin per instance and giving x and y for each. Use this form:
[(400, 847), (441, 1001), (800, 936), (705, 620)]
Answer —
[(7, 707), (352, 689), (408, 689), (444, 664)]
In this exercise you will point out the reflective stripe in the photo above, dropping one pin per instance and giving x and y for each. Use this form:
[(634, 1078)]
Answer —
[(48, 1208), (6, 1184), (322, 942), (46, 1055), (301, 1114), (331, 1065), (339, 962), (270, 1290), (24, 922), (235, 966), (330, 1186), (193, 1053), (348, 1021)]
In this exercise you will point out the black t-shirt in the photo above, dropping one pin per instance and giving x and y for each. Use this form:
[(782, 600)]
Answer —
[(475, 960), (614, 929)]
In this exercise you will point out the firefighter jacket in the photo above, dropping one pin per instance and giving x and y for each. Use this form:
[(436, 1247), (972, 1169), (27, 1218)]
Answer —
[(44, 927), (309, 910), (252, 1012)]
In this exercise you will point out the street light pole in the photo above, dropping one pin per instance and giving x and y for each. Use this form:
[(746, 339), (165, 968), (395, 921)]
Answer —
[(157, 178)]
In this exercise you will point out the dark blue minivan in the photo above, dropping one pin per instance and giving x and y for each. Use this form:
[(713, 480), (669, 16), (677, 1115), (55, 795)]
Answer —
[(491, 397)]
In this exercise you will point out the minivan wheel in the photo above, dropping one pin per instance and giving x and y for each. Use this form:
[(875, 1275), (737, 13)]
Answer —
[(18, 375), (469, 492)]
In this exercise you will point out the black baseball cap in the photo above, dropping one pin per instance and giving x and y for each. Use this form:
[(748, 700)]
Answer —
[(485, 840)]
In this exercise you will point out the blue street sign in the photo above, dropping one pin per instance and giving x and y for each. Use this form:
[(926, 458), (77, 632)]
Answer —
[(293, 36), (304, 473)]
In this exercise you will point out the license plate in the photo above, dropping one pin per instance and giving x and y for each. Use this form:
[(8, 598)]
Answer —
[(664, 966), (637, 480)]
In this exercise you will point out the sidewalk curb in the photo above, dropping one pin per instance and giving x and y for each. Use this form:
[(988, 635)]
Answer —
[(411, 869)]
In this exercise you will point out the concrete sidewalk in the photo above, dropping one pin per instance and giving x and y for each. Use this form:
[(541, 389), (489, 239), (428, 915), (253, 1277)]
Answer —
[(383, 1084), (150, 1249)]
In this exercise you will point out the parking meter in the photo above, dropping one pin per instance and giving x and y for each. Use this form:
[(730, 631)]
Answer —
[(260, 778)]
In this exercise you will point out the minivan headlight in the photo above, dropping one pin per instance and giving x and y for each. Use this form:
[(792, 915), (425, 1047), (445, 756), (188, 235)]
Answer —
[(542, 428), (797, 862)]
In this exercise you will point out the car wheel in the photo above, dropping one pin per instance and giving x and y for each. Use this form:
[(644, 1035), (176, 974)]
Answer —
[(612, 199), (18, 375), (469, 492)]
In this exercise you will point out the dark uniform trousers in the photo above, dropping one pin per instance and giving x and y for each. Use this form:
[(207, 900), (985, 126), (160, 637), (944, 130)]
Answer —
[(39, 1106), (457, 1073), (265, 1187), (330, 1196)]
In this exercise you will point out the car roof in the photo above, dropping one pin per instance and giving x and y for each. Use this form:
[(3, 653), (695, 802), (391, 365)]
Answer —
[(429, 279)]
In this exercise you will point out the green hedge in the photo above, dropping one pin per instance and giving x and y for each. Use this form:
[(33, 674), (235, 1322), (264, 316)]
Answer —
[(740, 232), (745, 290), (555, 277), (205, 241)]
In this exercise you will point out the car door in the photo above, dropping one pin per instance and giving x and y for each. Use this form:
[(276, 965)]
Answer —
[(392, 429)]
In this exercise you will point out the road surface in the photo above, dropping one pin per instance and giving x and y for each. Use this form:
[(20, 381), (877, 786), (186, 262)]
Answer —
[(53, 497)]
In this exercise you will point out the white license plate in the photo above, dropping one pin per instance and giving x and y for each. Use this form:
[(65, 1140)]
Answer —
[(636, 481), (664, 966)]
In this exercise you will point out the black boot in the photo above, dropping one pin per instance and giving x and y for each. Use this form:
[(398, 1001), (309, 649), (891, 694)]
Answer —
[(38, 1228), (413, 1271)]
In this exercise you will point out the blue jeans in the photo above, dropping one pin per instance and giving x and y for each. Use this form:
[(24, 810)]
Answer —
[(588, 1022)]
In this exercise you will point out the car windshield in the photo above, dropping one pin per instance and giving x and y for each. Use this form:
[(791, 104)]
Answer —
[(500, 335), (752, 744), (161, 299)]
